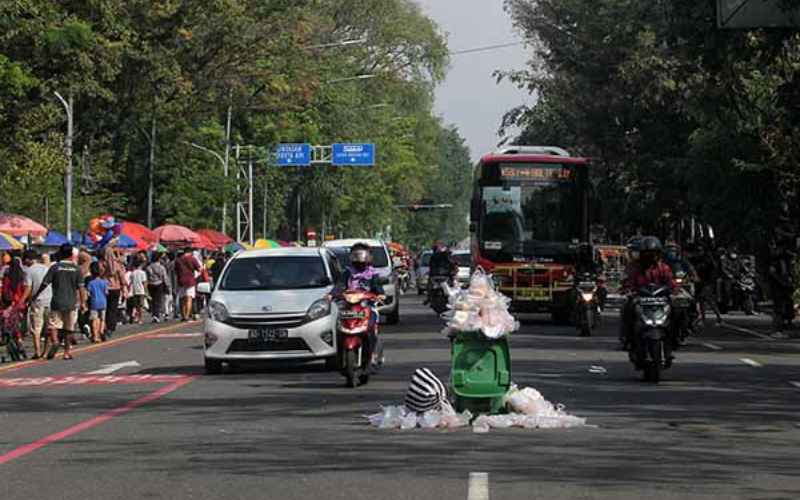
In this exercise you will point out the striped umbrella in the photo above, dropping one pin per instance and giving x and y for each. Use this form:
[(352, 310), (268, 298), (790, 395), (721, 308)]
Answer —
[(9, 243)]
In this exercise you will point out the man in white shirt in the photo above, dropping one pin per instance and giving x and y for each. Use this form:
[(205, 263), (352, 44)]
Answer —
[(39, 308)]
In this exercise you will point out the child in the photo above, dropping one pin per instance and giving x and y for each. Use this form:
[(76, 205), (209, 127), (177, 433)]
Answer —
[(139, 292), (97, 288)]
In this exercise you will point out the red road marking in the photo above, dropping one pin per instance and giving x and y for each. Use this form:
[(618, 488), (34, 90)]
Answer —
[(174, 335), (87, 380), (93, 422)]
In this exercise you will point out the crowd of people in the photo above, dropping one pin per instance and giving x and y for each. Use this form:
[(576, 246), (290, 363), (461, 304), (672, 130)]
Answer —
[(55, 298)]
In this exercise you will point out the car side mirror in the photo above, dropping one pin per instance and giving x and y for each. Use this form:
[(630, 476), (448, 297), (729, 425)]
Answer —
[(204, 288)]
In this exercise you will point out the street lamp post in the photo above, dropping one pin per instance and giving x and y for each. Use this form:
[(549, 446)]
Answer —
[(68, 107)]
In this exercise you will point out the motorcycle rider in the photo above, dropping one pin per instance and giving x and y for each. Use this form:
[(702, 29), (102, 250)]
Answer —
[(651, 269), (782, 287), (440, 264), (707, 271), (360, 275)]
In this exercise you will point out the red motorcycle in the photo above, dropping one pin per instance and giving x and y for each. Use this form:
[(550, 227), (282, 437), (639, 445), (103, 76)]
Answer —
[(353, 331)]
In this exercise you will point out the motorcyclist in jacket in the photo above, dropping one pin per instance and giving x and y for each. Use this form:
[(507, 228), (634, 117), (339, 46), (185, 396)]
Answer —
[(360, 275), (707, 272), (440, 264), (651, 270)]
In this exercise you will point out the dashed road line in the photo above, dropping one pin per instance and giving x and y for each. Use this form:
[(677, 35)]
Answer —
[(713, 347), (745, 330), (796, 384), (751, 362), (478, 486)]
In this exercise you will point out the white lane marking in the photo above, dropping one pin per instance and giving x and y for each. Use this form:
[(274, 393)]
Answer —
[(597, 369), (751, 362), (745, 330), (796, 384), (109, 369), (713, 347), (478, 486)]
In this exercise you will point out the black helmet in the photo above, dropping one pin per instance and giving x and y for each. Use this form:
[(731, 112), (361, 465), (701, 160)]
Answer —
[(360, 256), (650, 244), (634, 244)]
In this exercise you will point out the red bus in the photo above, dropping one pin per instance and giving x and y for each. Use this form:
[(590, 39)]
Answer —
[(529, 211)]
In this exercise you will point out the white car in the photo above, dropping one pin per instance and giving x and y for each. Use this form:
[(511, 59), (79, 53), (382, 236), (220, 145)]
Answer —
[(382, 263), (271, 305), (464, 260)]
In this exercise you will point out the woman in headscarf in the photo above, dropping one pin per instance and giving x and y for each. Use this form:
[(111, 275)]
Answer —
[(14, 302)]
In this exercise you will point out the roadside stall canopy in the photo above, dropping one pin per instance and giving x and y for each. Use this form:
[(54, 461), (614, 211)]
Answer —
[(173, 235), (143, 236), (8, 242), (54, 239), (217, 238), (19, 225)]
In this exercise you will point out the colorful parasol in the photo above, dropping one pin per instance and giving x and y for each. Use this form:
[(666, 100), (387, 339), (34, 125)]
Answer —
[(233, 247), (19, 225), (144, 237), (54, 239), (8, 242), (217, 238), (262, 244), (173, 235)]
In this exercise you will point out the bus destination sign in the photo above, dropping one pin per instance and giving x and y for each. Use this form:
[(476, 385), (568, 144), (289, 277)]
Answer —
[(535, 172)]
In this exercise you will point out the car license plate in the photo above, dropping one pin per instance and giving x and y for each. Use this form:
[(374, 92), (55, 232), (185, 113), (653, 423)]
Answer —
[(268, 334)]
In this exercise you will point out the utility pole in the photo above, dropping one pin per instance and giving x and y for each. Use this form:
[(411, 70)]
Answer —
[(68, 107), (225, 164), (150, 174), (250, 220)]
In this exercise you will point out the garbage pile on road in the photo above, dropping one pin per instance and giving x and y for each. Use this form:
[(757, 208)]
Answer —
[(479, 308)]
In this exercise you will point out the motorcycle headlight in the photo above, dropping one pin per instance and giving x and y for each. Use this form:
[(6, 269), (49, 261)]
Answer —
[(655, 316), (587, 296), (318, 309), (218, 312)]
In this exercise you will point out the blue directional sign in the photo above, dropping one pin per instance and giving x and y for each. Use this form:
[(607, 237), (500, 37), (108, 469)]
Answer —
[(360, 155), (288, 155)]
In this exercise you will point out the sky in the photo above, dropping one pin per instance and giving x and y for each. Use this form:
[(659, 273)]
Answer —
[(470, 98)]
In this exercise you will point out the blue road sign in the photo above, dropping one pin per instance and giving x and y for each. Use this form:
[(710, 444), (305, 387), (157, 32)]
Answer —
[(293, 155), (362, 155)]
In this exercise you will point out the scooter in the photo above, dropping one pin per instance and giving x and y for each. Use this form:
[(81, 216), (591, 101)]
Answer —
[(744, 287), (403, 278), (353, 331), (651, 348), (685, 308), (587, 308), (437, 298)]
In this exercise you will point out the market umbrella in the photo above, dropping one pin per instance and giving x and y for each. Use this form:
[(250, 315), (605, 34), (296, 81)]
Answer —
[(217, 238), (233, 247), (144, 237), (19, 225), (206, 244), (54, 239), (262, 244), (173, 235), (125, 241), (78, 238), (8, 242)]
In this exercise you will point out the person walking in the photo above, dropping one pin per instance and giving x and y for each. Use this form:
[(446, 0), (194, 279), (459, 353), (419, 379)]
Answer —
[(39, 309), (64, 276), (97, 302), (157, 280), (13, 298), (138, 297), (185, 268), (114, 273)]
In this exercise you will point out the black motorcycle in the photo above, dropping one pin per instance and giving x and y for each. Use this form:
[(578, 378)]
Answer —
[(744, 287), (650, 349), (685, 310), (586, 315), (437, 298)]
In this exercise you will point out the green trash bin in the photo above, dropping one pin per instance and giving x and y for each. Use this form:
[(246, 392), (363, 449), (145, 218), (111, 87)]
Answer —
[(481, 372)]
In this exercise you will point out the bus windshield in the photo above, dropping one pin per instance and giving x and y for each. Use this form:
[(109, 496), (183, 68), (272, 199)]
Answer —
[(529, 212)]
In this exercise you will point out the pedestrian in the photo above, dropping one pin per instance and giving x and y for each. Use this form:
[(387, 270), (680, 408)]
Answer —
[(64, 276), (782, 287), (185, 268), (39, 309), (114, 274), (13, 298), (138, 280), (157, 285), (97, 302)]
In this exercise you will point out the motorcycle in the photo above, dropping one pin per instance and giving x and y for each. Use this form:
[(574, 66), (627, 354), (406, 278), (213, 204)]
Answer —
[(353, 331), (650, 349), (587, 304), (685, 308), (437, 298), (403, 278), (744, 288)]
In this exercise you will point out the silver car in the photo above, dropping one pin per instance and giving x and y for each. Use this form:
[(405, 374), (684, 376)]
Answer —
[(382, 264), (271, 305), (464, 260)]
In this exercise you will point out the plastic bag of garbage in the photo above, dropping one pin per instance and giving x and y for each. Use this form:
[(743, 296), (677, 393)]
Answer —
[(390, 418), (408, 421), (481, 424), (501, 421), (430, 419), (455, 420)]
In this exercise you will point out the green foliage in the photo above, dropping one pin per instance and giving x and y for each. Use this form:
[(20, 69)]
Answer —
[(181, 64)]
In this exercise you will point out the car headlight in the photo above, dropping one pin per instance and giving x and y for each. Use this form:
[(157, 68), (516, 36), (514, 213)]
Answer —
[(218, 312), (318, 309)]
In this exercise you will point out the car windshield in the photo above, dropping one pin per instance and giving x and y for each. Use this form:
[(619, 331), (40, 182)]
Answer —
[(462, 259), (379, 258), (275, 273), (426, 259)]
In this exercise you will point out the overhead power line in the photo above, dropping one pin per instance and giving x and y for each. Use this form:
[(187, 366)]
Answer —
[(486, 48)]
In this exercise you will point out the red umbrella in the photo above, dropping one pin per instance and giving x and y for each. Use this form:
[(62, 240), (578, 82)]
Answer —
[(174, 235), (19, 225), (206, 244), (215, 237), (144, 237)]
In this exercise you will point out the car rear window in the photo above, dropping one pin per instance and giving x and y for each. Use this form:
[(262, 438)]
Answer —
[(275, 273), (463, 259), (379, 258)]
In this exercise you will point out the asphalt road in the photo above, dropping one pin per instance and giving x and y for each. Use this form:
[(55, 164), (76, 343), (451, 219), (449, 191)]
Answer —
[(723, 424)]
